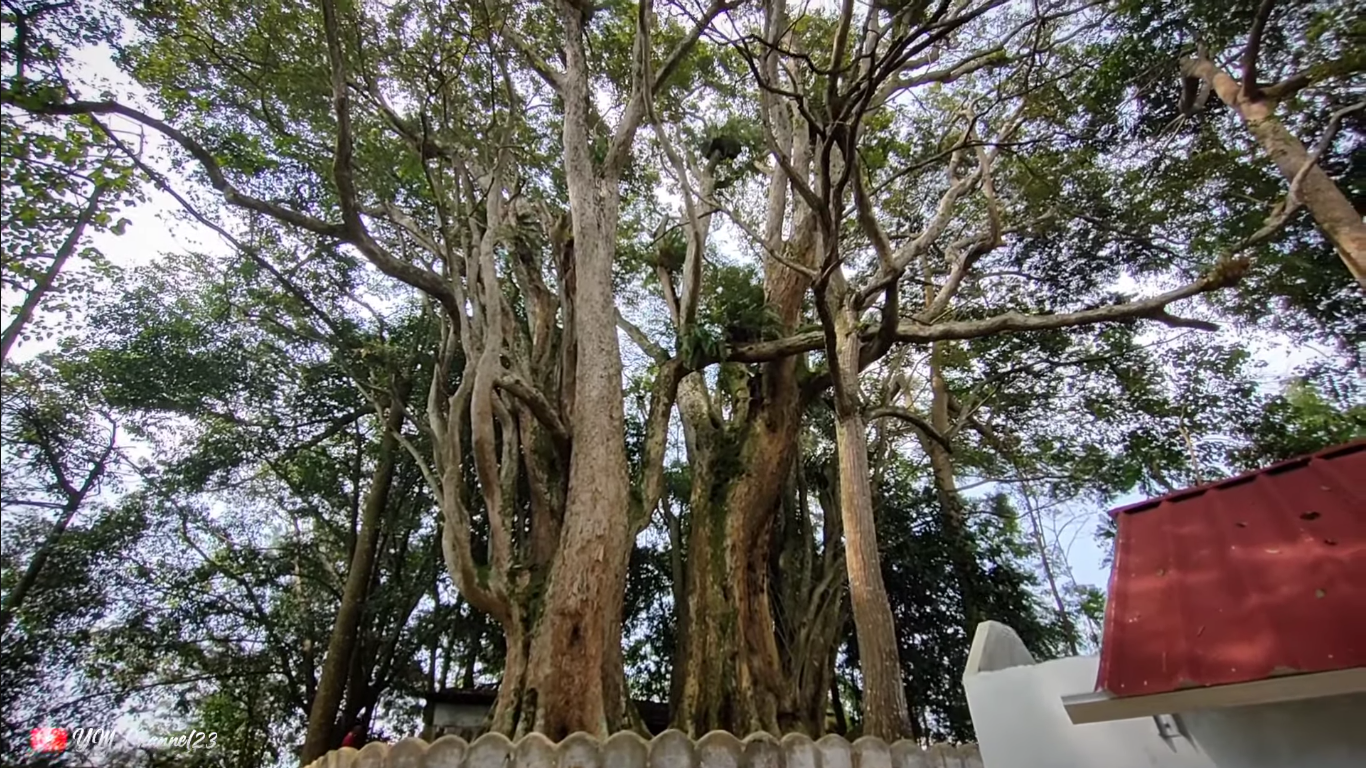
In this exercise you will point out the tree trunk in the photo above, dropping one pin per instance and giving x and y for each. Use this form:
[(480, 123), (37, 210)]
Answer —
[(569, 658), (322, 715), (962, 554), (732, 672), (1332, 210), (809, 588), (729, 669), (511, 708), (722, 686), (885, 713), (841, 722)]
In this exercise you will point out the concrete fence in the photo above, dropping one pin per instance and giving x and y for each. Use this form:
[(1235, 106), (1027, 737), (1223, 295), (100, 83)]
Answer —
[(671, 749)]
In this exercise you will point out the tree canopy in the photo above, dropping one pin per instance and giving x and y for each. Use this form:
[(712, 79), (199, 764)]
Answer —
[(738, 356)]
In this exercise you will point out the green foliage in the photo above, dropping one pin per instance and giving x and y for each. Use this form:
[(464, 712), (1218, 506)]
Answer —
[(206, 584), (51, 175), (61, 552), (1209, 170), (1301, 420), (926, 603)]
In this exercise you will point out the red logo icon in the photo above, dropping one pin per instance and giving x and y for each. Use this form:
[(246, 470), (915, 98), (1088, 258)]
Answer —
[(47, 739)]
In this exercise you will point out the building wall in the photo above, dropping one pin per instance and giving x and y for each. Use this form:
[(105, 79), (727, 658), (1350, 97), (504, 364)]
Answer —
[(1316, 733), (1017, 712)]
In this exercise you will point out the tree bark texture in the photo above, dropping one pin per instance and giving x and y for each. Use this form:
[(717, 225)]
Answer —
[(732, 671), (1335, 214), (885, 712), (569, 657), (809, 590)]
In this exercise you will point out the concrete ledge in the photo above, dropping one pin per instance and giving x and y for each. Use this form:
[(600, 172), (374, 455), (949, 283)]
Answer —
[(671, 749), (1102, 707)]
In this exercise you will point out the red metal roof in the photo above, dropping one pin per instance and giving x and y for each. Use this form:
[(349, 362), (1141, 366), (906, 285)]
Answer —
[(1259, 575)]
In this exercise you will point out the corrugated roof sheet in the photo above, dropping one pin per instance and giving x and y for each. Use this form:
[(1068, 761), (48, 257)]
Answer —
[(1259, 575)]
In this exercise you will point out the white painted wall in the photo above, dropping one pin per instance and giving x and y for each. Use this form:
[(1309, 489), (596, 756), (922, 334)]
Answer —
[(1017, 712), (1316, 733)]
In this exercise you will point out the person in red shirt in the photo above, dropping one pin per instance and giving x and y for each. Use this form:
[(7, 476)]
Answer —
[(354, 738)]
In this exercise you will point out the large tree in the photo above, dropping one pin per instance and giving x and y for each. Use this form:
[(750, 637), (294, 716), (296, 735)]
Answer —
[(462, 207)]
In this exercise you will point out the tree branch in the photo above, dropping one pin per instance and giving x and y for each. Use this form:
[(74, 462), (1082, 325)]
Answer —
[(1254, 47), (514, 384), (656, 434), (912, 332), (206, 160), (1352, 63), (417, 277), (638, 336), (921, 425), (49, 276)]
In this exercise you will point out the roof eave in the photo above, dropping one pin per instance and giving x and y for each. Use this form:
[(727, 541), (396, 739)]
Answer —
[(1102, 706)]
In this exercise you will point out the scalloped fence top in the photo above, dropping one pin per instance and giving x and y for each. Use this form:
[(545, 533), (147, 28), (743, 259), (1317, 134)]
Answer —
[(671, 749)]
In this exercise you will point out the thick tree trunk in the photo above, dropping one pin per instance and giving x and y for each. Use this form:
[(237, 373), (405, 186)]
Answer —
[(569, 655), (729, 671), (732, 672), (885, 713), (332, 683), (1334, 213), (730, 661)]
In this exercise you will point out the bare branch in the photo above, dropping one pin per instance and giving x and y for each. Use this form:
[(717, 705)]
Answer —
[(48, 278), (638, 336), (547, 73), (1254, 48), (912, 332), (656, 434), (921, 425), (1352, 63)]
